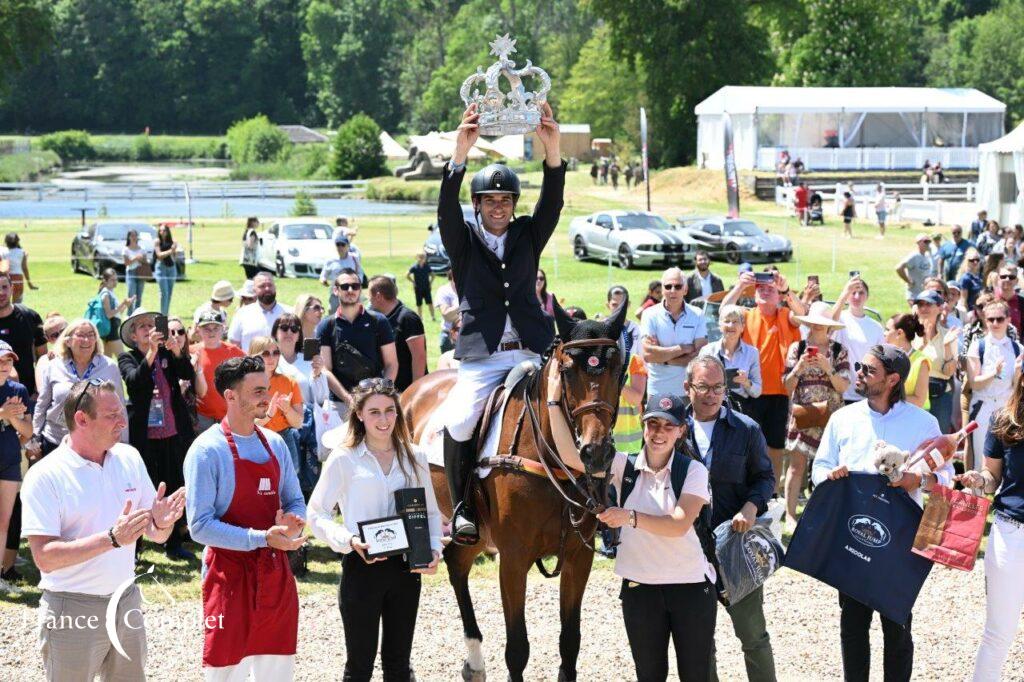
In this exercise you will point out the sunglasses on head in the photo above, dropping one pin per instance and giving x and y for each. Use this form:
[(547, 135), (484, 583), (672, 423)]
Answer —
[(376, 384), (671, 287), (81, 396), (52, 336), (349, 286), (293, 328)]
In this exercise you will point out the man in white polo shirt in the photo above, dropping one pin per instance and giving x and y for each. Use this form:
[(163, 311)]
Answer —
[(671, 334), (84, 506), (256, 319)]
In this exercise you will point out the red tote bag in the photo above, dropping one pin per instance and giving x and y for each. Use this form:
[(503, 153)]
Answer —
[(951, 527)]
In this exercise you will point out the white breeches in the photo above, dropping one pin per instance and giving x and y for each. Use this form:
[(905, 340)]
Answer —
[(476, 380)]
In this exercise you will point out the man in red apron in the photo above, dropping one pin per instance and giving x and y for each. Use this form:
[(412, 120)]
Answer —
[(248, 511)]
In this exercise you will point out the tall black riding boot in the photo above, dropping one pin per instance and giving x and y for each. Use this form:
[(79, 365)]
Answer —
[(459, 462)]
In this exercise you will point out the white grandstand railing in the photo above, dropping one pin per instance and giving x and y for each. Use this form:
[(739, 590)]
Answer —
[(870, 158)]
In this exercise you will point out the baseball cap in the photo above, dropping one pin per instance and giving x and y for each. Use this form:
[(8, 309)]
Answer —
[(929, 296), (922, 237), (668, 407), (953, 284), (6, 349), (222, 291), (248, 289), (210, 317), (341, 238), (894, 360)]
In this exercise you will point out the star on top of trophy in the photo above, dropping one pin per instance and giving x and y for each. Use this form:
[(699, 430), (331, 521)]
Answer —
[(502, 46)]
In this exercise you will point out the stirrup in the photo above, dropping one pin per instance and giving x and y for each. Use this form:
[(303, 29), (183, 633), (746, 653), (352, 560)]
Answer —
[(464, 530)]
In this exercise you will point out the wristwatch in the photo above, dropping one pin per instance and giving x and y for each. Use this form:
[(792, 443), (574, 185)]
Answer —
[(113, 540), (632, 517)]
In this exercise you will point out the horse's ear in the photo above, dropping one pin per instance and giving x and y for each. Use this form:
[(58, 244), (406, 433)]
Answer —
[(563, 323), (615, 321)]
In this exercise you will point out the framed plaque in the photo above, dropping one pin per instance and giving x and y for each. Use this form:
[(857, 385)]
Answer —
[(385, 536)]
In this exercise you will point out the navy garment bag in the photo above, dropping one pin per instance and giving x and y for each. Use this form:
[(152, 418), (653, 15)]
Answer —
[(855, 535)]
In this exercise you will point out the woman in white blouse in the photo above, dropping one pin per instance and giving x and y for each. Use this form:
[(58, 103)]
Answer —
[(668, 586), (77, 356), (361, 477)]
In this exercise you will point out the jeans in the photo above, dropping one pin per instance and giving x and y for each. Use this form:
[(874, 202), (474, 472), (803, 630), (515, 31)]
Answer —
[(942, 409), (383, 596), (165, 278), (854, 626), (1004, 558), (684, 612), (749, 625), (135, 287)]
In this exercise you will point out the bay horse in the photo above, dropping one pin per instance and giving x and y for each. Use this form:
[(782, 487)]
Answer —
[(532, 505)]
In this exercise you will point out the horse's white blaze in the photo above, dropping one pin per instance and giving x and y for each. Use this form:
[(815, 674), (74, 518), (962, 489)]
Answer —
[(475, 655)]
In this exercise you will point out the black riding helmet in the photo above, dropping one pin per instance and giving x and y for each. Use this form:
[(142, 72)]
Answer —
[(497, 178)]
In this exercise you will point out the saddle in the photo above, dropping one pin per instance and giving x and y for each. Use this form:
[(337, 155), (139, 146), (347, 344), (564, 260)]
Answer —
[(496, 400)]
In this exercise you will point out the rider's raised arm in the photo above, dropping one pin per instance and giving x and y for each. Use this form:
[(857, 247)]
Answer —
[(549, 205), (450, 222)]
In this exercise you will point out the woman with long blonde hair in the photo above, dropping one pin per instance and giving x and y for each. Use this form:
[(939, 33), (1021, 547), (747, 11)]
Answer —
[(376, 458)]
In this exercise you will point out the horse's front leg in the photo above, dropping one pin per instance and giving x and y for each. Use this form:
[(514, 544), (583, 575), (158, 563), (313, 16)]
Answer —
[(459, 559), (573, 582), (512, 573)]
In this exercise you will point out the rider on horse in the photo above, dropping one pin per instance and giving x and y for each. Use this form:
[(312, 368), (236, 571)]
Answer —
[(494, 263)]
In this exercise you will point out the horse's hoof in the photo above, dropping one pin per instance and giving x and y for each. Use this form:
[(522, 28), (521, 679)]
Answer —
[(470, 675), (563, 678)]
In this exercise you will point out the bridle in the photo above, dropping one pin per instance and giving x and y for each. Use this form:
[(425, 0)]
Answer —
[(588, 489)]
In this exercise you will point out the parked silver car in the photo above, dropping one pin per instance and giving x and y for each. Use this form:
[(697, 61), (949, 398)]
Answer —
[(736, 240), (631, 239)]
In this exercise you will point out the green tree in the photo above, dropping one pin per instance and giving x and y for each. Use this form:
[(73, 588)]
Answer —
[(357, 150), (304, 205), (985, 52), (855, 42), (25, 31), (687, 49), (256, 140), (603, 90), (352, 62)]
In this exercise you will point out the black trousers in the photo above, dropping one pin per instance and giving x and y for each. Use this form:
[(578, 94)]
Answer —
[(653, 613), (165, 463), (854, 624), (385, 597)]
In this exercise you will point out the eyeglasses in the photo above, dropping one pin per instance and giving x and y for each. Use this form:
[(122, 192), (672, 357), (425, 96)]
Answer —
[(270, 353), (293, 328), (671, 287), (317, 308), (178, 332), (996, 320), (1007, 276), (867, 370), (348, 286), (704, 389), (89, 336), (376, 383), (541, 279), (973, 260), (81, 396)]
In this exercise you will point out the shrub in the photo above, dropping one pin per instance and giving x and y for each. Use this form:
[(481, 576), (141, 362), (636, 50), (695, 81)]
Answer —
[(142, 148), (163, 147), (26, 167), (70, 145), (303, 205), (357, 150), (256, 140)]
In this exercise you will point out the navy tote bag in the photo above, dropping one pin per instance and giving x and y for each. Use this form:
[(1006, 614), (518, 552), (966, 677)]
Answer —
[(855, 535)]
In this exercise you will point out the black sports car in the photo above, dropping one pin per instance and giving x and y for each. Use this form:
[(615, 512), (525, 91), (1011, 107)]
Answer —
[(736, 240)]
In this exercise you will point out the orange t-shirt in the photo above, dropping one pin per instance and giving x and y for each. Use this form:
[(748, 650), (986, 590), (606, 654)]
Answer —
[(212, 404), (772, 336), (285, 385)]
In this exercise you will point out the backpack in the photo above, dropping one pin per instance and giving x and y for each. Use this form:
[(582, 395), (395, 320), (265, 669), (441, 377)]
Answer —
[(701, 525), (94, 313), (981, 350)]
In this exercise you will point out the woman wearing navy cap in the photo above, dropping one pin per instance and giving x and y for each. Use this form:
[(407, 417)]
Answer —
[(667, 583)]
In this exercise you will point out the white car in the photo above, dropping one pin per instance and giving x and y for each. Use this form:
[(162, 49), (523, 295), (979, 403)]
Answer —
[(631, 239), (296, 247)]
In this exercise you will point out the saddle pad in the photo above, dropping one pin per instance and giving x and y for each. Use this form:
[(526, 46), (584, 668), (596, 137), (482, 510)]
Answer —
[(432, 441)]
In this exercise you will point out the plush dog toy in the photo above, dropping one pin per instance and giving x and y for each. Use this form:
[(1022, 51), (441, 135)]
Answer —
[(889, 460)]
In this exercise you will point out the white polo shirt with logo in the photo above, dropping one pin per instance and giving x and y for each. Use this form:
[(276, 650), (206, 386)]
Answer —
[(253, 320), (69, 497), (657, 322)]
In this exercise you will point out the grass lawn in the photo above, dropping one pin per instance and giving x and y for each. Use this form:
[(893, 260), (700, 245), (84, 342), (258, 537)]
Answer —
[(388, 244)]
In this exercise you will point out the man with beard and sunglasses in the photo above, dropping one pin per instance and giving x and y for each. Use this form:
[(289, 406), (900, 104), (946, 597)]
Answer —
[(494, 263), (847, 445), (671, 334), (256, 319), (355, 343)]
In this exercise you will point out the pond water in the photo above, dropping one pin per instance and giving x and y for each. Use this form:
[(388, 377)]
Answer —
[(201, 208)]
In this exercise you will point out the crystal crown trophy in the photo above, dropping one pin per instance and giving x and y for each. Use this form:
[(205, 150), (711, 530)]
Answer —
[(515, 113)]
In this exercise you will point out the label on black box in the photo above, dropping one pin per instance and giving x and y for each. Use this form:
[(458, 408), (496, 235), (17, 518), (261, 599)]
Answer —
[(411, 505)]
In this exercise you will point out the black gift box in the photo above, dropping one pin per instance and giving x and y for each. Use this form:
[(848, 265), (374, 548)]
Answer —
[(411, 505)]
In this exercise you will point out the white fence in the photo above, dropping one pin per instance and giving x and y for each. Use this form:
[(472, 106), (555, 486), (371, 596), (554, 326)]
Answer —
[(177, 190), (870, 158), (942, 204)]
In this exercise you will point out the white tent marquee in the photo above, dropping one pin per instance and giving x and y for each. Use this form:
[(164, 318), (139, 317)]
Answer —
[(848, 128), (1001, 178), (391, 148)]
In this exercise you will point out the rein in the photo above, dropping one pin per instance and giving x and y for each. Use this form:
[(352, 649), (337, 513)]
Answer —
[(588, 491)]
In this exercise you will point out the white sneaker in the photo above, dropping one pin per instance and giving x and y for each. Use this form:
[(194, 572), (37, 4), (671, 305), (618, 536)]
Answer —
[(9, 588)]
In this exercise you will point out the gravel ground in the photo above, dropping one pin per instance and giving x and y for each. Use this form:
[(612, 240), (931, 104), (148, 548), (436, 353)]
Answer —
[(803, 620)]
